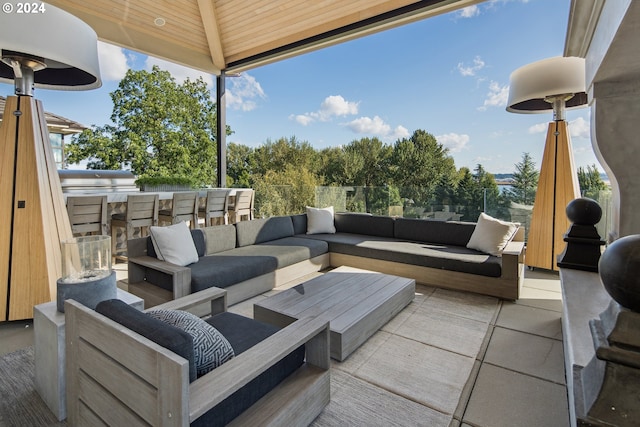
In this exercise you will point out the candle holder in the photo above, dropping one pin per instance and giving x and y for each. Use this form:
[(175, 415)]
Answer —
[(87, 276)]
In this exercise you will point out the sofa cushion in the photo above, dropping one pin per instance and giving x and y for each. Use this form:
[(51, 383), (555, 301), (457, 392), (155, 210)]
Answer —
[(299, 223), (425, 230), (263, 230), (169, 337), (174, 244), (243, 333), (211, 349), (491, 235), (320, 220), (360, 223), (446, 257), (228, 268), (286, 251), (219, 238), (198, 239)]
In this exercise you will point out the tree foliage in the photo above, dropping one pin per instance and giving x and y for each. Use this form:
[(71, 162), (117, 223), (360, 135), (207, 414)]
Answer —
[(525, 182), (590, 181), (159, 128)]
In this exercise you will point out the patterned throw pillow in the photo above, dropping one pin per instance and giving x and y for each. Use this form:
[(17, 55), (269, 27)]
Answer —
[(211, 349)]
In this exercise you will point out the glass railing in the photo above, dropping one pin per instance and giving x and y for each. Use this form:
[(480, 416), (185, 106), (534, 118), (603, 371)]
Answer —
[(404, 202)]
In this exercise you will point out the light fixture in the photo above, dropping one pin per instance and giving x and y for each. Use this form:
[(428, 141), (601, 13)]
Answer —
[(553, 84), (50, 49)]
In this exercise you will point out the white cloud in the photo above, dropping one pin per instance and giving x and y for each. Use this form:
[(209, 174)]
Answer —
[(376, 126), (539, 128), (301, 118), (243, 92), (478, 64), (455, 142), (580, 128), (113, 62), (179, 72), (332, 106), (496, 97), (469, 12)]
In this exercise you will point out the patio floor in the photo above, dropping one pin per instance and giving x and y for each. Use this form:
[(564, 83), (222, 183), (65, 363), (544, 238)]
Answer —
[(412, 372)]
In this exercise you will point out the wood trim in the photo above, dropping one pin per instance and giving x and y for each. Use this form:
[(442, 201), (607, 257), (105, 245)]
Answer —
[(212, 32)]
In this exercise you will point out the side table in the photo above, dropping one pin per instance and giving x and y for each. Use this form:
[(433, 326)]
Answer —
[(49, 346)]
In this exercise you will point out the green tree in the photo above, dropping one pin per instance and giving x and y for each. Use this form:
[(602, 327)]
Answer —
[(159, 128), (285, 192), (239, 165), (419, 164), (590, 181), (367, 165), (282, 153), (525, 182)]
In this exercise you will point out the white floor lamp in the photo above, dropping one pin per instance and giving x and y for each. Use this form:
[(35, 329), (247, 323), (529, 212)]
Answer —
[(550, 84), (50, 49)]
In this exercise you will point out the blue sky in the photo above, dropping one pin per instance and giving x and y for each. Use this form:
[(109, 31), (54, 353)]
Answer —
[(448, 75)]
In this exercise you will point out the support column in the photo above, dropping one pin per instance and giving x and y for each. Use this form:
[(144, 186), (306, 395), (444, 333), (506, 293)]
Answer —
[(221, 130), (615, 114)]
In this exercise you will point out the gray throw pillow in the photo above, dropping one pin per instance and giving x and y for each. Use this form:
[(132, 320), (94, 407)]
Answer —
[(211, 349)]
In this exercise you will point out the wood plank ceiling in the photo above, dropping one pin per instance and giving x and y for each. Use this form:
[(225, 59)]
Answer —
[(236, 35)]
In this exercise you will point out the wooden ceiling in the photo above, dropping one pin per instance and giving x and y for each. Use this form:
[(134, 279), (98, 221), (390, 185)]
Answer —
[(236, 35)]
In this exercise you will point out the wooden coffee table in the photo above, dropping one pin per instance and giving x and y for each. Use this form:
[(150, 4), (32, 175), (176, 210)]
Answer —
[(356, 303)]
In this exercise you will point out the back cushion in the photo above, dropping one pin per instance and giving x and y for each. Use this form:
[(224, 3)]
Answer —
[(361, 223), (219, 238), (444, 232), (263, 230), (198, 239), (169, 337), (299, 223)]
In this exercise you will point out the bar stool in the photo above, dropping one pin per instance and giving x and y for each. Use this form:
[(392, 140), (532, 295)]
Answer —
[(183, 208), (243, 206), (216, 206), (87, 214), (142, 211)]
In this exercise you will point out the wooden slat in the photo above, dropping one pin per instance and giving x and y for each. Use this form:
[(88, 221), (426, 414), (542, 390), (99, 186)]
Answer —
[(7, 156), (547, 226)]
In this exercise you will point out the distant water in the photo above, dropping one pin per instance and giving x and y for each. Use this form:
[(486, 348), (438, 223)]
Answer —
[(502, 188)]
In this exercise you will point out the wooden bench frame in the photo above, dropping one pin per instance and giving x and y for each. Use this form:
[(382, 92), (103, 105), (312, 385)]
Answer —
[(116, 376)]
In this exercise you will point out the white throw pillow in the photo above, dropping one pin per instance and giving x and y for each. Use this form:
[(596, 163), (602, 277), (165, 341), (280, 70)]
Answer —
[(491, 235), (174, 244), (320, 221)]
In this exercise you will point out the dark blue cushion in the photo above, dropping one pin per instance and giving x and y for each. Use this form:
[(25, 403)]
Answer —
[(226, 269), (424, 230), (243, 333), (169, 337), (299, 223), (358, 223), (263, 230)]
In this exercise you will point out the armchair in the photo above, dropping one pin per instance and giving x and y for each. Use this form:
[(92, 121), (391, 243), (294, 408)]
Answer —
[(118, 377)]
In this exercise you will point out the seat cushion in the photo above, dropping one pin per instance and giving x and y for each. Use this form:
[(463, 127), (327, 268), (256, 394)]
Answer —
[(168, 336), (285, 251), (228, 268), (446, 257), (243, 333)]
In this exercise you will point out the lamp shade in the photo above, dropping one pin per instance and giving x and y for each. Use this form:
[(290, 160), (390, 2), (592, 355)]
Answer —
[(532, 83), (67, 46)]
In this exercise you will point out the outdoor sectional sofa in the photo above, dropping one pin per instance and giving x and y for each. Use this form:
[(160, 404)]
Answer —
[(253, 257)]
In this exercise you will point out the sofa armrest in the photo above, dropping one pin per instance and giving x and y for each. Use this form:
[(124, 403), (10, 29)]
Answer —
[(513, 261), (217, 297), (211, 389), (180, 276)]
